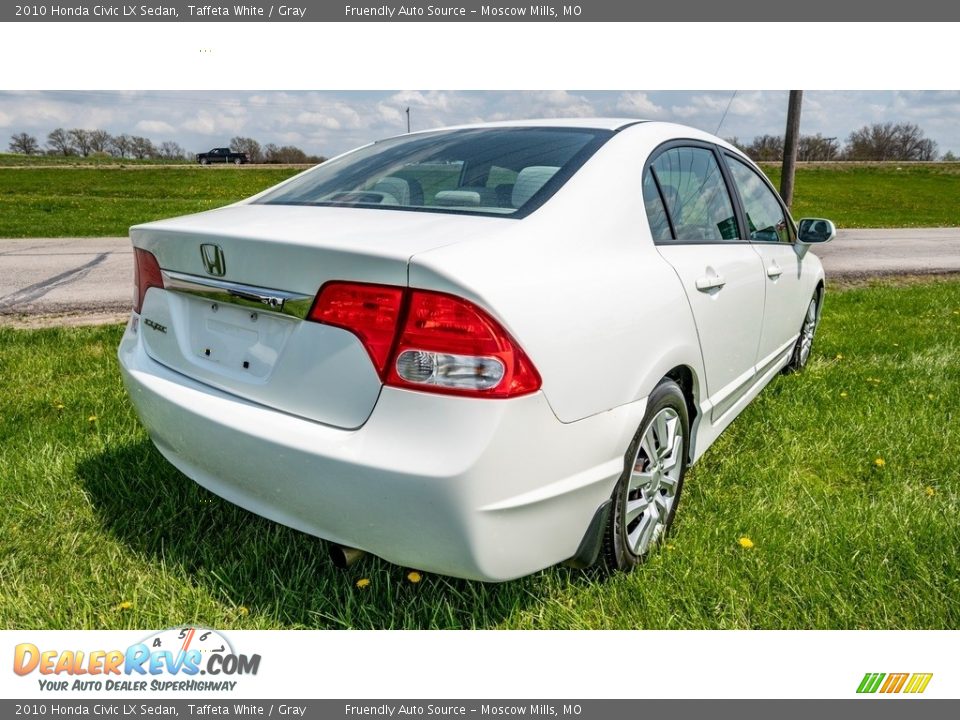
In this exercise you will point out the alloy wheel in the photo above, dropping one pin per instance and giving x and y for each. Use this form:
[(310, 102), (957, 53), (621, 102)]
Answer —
[(654, 480), (807, 332)]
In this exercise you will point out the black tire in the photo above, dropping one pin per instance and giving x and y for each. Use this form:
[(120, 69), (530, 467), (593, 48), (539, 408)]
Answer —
[(238, 161), (799, 358), (617, 551), (204, 161)]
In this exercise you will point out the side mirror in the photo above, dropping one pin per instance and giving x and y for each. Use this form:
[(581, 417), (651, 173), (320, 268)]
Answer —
[(816, 230)]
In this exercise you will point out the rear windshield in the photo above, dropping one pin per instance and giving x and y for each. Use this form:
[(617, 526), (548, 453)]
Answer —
[(485, 171)]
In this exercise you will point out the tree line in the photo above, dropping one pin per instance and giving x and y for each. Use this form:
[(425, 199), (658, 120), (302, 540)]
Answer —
[(80, 142), (880, 141)]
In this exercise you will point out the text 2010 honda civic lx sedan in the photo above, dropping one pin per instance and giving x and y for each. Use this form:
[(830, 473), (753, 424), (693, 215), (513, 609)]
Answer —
[(478, 351)]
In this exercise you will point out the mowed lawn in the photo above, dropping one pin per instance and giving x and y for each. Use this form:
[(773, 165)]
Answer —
[(845, 479), (93, 202), (877, 195), (97, 201)]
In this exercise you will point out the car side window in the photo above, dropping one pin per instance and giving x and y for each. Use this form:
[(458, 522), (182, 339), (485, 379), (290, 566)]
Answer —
[(656, 214), (766, 220), (696, 195)]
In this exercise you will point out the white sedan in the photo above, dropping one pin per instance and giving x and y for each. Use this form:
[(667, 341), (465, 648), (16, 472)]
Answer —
[(478, 351)]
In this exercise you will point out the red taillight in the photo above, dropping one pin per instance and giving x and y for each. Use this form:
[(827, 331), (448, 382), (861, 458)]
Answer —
[(371, 312), (442, 343), (449, 345), (146, 274)]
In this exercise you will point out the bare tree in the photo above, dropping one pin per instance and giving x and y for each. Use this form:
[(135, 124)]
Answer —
[(287, 154), (817, 148), (249, 146), (170, 150), (948, 156), (80, 139), (24, 143), (120, 144), (100, 141), (59, 142), (890, 141), (141, 147), (766, 147)]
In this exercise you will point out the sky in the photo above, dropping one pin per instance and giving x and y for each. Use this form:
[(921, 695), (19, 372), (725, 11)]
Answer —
[(329, 122)]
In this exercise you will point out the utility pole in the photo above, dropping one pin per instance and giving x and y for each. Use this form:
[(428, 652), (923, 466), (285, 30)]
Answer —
[(790, 140), (408, 120)]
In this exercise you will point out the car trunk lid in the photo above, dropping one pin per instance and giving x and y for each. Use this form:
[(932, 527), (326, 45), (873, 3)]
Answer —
[(239, 280)]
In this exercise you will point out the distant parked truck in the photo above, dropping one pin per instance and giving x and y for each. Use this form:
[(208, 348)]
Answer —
[(222, 155)]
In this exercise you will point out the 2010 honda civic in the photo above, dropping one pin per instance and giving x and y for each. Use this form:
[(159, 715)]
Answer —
[(478, 351)]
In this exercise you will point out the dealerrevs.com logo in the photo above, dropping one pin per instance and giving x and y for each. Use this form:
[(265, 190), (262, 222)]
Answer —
[(889, 683), (173, 659)]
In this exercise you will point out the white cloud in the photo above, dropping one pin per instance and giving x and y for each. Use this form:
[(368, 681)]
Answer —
[(638, 104), (155, 126)]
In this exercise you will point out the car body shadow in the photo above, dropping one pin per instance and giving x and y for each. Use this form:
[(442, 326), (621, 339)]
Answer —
[(279, 576)]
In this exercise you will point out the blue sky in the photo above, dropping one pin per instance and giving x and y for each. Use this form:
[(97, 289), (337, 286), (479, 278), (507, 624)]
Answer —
[(329, 122)]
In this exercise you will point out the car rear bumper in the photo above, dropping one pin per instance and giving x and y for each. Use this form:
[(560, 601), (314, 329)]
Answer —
[(482, 489)]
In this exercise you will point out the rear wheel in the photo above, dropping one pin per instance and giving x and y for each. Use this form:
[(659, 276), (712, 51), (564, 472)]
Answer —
[(237, 161), (646, 497), (804, 344)]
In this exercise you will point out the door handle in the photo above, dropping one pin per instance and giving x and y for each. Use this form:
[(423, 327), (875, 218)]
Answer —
[(710, 282), (774, 271)]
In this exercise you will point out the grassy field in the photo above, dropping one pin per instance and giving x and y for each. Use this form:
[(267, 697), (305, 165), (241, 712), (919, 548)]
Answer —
[(875, 195), (19, 160), (843, 477), (92, 201)]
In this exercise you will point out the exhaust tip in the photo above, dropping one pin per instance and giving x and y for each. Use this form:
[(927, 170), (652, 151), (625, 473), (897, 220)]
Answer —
[(343, 557)]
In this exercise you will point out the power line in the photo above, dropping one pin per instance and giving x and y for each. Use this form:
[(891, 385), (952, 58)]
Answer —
[(724, 117)]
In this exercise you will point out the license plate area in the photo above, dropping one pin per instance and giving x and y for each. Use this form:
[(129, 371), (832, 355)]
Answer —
[(236, 341)]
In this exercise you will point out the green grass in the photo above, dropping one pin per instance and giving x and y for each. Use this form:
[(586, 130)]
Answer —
[(93, 201), (887, 195), (90, 202), (19, 160), (93, 517)]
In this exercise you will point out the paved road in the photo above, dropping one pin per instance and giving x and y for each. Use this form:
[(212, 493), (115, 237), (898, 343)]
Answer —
[(76, 280), (88, 280)]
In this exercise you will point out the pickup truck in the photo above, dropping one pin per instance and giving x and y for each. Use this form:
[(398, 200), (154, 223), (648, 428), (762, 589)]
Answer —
[(222, 155)]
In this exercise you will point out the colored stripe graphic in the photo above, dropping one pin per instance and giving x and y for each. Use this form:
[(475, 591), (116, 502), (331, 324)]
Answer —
[(894, 683), (870, 682), (918, 682)]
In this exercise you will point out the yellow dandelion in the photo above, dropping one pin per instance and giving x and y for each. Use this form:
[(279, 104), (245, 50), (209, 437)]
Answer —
[(670, 547), (930, 491), (125, 605), (59, 406), (839, 356), (880, 462), (745, 542), (243, 611), (92, 418), (363, 582), (843, 394), (929, 396), (414, 577)]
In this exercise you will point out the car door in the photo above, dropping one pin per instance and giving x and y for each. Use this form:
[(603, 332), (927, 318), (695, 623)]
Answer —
[(772, 235), (695, 227)]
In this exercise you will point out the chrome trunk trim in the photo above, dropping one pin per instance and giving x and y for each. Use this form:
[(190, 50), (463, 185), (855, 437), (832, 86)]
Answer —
[(279, 301)]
